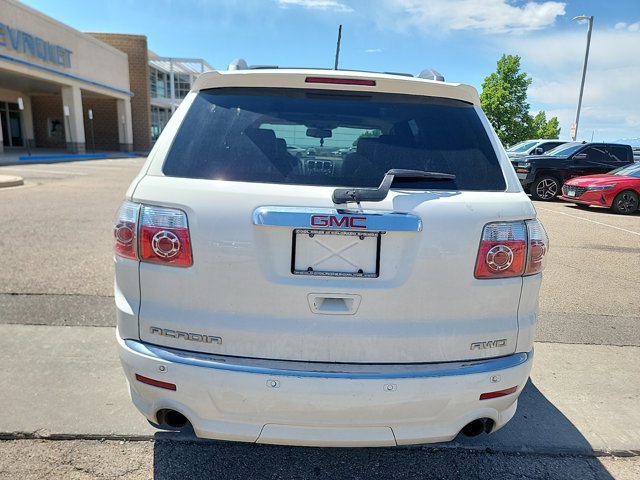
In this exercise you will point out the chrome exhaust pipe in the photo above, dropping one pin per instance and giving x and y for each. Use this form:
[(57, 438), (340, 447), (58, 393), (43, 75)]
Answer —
[(475, 428), (172, 419)]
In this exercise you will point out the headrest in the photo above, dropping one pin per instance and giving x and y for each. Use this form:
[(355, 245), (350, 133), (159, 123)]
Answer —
[(260, 135)]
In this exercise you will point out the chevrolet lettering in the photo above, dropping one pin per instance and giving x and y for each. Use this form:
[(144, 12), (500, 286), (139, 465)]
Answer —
[(360, 242)]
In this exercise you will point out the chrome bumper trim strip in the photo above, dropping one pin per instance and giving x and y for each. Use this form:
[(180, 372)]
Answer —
[(327, 370)]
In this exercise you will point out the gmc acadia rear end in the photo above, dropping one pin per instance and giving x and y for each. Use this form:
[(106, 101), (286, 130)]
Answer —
[(380, 288)]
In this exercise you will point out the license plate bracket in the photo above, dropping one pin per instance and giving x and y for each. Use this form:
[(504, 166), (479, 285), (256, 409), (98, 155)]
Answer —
[(336, 253)]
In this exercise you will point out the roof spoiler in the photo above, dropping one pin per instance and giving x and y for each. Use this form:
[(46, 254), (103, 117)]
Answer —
[(427, 74)]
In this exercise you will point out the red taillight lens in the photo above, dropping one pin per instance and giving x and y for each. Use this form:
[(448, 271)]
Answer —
[(341, 81), (152, 234), (511, 249), (125, 230), (538, 246), (164, 236), (502, 251)]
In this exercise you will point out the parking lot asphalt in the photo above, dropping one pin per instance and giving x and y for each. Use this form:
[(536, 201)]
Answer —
[(57, 317)]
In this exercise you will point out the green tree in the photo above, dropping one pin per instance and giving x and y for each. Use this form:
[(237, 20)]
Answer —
[(541, 128), (504, 101)]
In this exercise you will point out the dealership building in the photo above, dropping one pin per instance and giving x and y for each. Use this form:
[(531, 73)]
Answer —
[(78, 92)]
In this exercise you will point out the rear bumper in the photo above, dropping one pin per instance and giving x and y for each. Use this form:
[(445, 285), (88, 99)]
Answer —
[(298, 403)]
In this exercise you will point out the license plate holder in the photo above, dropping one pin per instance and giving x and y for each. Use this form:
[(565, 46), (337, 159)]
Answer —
[(336, 253)]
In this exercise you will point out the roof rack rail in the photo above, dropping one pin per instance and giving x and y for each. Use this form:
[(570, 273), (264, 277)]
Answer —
[(431, 74)]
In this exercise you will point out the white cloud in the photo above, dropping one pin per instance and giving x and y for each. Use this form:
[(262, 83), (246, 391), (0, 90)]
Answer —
[(633, 27), (612, 87), (492, 16), (373, 50), (332, 5)]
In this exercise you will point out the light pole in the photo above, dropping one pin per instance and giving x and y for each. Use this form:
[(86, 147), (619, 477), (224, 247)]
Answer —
[(584, 71)]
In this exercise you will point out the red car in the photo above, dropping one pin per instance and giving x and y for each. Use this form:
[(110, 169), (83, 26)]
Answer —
[(618, 190)]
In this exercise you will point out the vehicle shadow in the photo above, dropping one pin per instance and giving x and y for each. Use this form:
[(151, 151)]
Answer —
[(540, 442), (600, 210)]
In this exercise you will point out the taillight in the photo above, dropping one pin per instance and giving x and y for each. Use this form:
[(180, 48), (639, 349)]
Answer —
[(125, 230), (164, 236), (537, 249), (511, 249), (153, 234), (502, 250)]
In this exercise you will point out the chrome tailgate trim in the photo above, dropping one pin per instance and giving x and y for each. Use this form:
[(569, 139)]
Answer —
[(329, 218)]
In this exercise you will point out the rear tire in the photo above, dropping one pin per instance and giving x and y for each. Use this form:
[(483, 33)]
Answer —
[(545, 188), (625, 203)]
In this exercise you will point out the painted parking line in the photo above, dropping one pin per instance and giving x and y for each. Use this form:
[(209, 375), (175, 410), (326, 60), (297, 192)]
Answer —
[(589, 220)]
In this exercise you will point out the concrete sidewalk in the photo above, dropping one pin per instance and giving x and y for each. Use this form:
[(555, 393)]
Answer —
[(10, 181), (67, 382)]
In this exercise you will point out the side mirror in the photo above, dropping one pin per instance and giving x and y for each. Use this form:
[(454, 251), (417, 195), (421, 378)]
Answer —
[(538, 151), (580, 156)]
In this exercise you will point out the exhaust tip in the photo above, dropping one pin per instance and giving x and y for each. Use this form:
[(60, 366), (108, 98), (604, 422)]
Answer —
[(475, 428), (172, 419)]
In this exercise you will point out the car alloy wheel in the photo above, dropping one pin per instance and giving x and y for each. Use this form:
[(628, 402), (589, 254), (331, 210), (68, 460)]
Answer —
[(546, 188), (625, 203)]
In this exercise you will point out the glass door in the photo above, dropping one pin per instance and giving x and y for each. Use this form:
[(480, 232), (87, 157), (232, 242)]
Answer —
[(15, 129), (11, 125), (6, 141)]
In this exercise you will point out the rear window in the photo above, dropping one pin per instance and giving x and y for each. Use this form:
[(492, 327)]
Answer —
[(347, 139)]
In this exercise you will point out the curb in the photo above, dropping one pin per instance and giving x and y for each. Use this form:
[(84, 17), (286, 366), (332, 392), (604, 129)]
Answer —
[(185, 438), (10, 181)]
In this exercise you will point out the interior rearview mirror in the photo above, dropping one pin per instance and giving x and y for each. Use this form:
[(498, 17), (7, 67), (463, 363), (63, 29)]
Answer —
[(319, 133)]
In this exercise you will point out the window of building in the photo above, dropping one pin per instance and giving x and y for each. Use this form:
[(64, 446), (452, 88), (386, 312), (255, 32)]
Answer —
[(159, 118), (158, 83), (182, 82)]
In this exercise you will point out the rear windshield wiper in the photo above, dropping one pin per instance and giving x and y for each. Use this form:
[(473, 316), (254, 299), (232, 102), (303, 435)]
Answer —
[(344, 195)]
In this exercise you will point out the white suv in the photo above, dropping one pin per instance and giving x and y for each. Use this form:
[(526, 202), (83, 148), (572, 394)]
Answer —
[(385, 297)]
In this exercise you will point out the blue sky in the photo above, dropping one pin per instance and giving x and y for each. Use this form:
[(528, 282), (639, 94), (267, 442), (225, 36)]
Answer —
[(463, 39)]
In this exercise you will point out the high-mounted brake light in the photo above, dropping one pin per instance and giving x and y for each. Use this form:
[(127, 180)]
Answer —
[(342, 81), (511, 249), (153, 234)]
